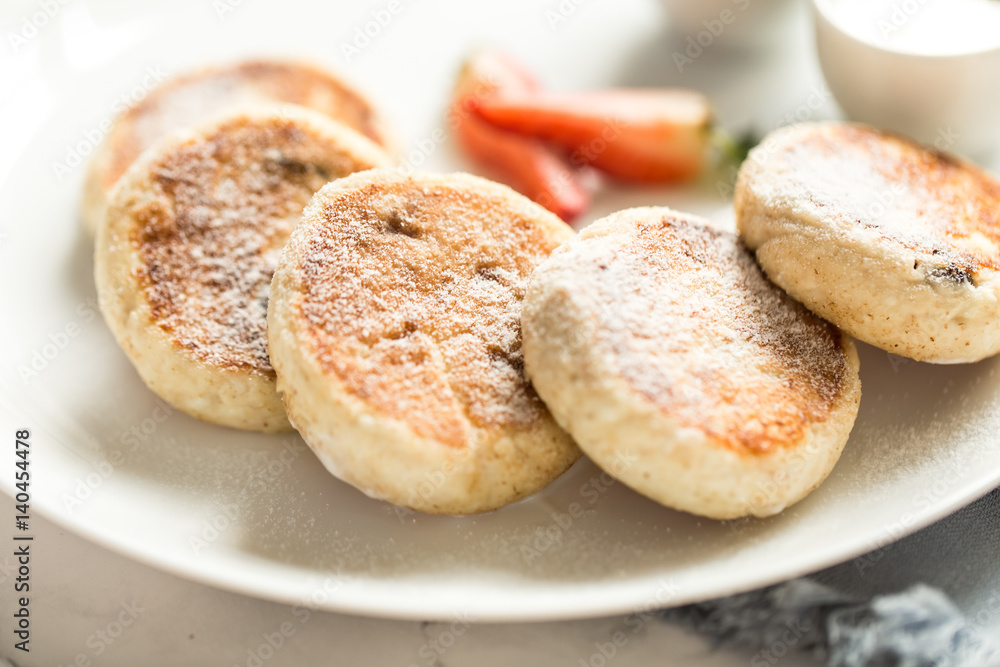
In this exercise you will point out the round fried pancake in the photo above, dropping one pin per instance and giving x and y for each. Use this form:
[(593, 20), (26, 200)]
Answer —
[(192, 98), (394, 326), (658, 343), (895, 243), (185, 256)]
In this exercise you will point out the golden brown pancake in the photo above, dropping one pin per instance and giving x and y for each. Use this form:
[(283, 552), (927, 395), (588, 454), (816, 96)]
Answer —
[(896, 243), (186, 253), (394, 327), (192, 98), (658, 343)]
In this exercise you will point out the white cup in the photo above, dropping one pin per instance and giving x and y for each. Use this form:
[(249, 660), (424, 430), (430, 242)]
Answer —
[(950, 101)]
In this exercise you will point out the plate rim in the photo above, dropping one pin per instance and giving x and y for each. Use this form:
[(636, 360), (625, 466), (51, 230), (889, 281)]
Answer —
[(543, 608)]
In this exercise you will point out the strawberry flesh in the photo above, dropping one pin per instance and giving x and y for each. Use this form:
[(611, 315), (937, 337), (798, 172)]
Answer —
[(524, 163), (650, 136)]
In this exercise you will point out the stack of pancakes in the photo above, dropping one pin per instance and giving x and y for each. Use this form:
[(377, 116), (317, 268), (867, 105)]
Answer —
[(264, 269)]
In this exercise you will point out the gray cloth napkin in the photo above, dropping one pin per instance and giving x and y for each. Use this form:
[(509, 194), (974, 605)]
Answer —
[(931, 599)]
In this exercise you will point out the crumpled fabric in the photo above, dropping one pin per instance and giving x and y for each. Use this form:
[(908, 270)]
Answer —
[(893, 608), (918, 627)]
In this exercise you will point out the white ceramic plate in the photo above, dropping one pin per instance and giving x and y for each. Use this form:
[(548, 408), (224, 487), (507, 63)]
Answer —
[(259, 514)]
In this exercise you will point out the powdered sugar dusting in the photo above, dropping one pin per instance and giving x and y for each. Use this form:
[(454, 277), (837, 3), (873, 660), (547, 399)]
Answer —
[(925, 200), (413, 290), (210, 238), (693, 325)]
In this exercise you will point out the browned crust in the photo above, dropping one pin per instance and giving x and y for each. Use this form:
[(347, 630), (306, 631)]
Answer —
[(411, 299), (694, 326), (952, 206), (210, 214), (190, 98)]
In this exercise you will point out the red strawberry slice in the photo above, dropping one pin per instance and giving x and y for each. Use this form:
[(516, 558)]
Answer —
[(653, 136), (524, 163)]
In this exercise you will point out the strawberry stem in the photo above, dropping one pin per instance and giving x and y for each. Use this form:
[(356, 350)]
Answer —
[(732, 150)]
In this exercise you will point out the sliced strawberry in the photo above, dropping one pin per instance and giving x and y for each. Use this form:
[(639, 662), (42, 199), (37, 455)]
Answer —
[(527, 165), (639, 135), (488, 72), (524, 163)]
